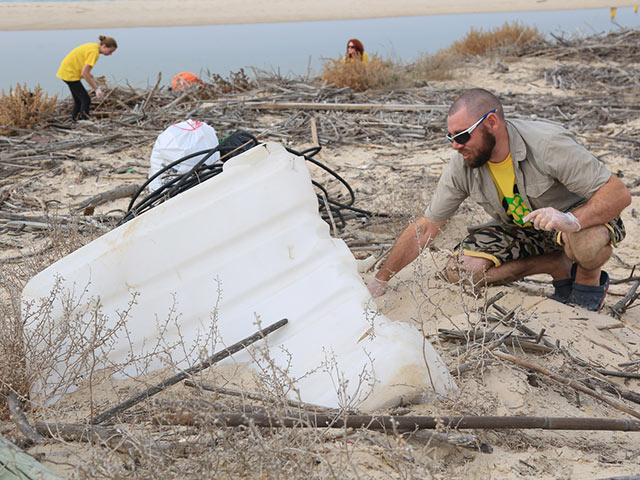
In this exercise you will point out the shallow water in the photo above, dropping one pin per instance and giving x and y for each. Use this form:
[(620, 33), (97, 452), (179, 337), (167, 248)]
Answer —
[(33, 57)]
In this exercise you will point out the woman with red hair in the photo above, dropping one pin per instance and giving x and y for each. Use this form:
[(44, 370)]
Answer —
[(355, 51)]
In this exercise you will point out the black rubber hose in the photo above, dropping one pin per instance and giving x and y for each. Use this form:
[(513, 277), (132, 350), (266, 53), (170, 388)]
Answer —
[(201, 172)]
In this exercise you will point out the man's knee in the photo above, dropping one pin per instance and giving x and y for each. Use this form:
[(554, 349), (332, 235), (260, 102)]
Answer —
[(466, 268), (590, 247)]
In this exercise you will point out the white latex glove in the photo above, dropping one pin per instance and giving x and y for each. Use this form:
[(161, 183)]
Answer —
[(549, 218), (377, 287), (99, 92)]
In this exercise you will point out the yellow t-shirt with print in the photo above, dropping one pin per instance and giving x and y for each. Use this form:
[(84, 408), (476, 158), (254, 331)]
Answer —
[(504, 178), (71, 67)]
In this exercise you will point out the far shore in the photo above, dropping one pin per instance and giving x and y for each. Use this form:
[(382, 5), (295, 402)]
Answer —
[(159, 13)]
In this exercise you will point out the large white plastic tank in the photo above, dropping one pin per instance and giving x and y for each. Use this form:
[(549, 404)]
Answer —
[(255, 232)]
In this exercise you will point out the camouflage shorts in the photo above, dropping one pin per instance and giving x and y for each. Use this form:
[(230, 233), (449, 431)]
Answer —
[(504, 243)]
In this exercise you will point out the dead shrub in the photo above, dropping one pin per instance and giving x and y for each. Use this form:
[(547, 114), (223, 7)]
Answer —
[(217, 85), (24, 108), (508, 36), (439, 66), (360, 76)]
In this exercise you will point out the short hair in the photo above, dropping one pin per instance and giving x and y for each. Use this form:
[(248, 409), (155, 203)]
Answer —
[(356, 43), (108, 41), (477, 102)]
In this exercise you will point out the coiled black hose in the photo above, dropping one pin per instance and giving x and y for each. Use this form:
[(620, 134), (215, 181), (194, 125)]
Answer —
[(229, 147)]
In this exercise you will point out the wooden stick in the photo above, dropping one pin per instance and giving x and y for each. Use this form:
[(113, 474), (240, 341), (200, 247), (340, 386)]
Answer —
[(314, 133), (410, 423), (254, 396), (119, 192), (478, 338), (16, 411), (113, 438), (594, 383), (344, 106), (621, 305), (565, 381), (494, 299), (614, 373), (215, 358)]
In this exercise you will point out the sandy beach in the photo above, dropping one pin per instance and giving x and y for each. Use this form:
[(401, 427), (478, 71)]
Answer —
[(392, 158), (158, 13)]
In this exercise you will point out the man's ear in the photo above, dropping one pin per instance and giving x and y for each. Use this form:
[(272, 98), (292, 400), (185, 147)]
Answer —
[(492, 121)]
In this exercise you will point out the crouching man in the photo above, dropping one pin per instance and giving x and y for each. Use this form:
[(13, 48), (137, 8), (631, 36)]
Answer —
[(555, 207)]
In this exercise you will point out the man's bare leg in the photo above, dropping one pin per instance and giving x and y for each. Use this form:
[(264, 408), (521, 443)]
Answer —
[(482, 271), (590, 248)]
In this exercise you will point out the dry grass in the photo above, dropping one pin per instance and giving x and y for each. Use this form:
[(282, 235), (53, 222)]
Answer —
[(24, 108), (508, 36), (440, 66), (360, 76)]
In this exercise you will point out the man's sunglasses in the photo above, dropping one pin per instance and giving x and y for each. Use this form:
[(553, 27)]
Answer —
[(464, 136)]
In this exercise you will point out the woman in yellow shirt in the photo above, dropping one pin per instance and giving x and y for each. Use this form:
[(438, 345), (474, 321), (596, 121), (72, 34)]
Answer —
[(355, 51), (76, 66)]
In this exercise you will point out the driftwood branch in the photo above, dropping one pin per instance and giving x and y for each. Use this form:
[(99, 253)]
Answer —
[(411, 423), (595, 383), (108, 196), (621, 305), (111, 437), (254, 396), (227, 352), (344, 106), (566, 381), (482, 337), (16, 410)]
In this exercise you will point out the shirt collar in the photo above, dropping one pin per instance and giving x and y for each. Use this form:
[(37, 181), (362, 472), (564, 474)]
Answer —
[(516, 143)]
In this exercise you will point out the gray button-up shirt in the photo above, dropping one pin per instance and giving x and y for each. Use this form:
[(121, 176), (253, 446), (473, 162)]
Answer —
[(551, 168)]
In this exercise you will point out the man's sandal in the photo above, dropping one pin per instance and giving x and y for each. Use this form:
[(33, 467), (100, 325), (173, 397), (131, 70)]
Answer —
[(563, 287), (590, 297)]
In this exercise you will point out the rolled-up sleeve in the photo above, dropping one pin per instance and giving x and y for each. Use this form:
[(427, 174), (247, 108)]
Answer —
[(574, 166)]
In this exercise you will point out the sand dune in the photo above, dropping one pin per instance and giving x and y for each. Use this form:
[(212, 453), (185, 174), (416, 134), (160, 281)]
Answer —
[(157, 13)]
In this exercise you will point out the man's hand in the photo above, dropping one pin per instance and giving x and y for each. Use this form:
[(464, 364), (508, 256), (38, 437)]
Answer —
[(99, 92), (549, 218), (377, 287)]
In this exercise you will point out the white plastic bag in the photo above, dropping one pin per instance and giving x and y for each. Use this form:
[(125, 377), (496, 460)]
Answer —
[(177, 141)]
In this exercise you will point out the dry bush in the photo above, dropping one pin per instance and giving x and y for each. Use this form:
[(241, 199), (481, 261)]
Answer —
[(440, 66), (360, 76), (16, 374), (24, 108), (218, 85), (13, 370), (509, 35)]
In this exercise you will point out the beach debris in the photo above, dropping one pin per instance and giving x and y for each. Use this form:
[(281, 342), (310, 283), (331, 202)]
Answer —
[(185, 79), (18, 465), (17, 409), (625, 302), (212, 360), (408, 423), (253, 232), (179, 140), (580, 387)]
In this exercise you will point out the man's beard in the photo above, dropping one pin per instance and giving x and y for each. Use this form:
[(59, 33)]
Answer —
[(485, 151)]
